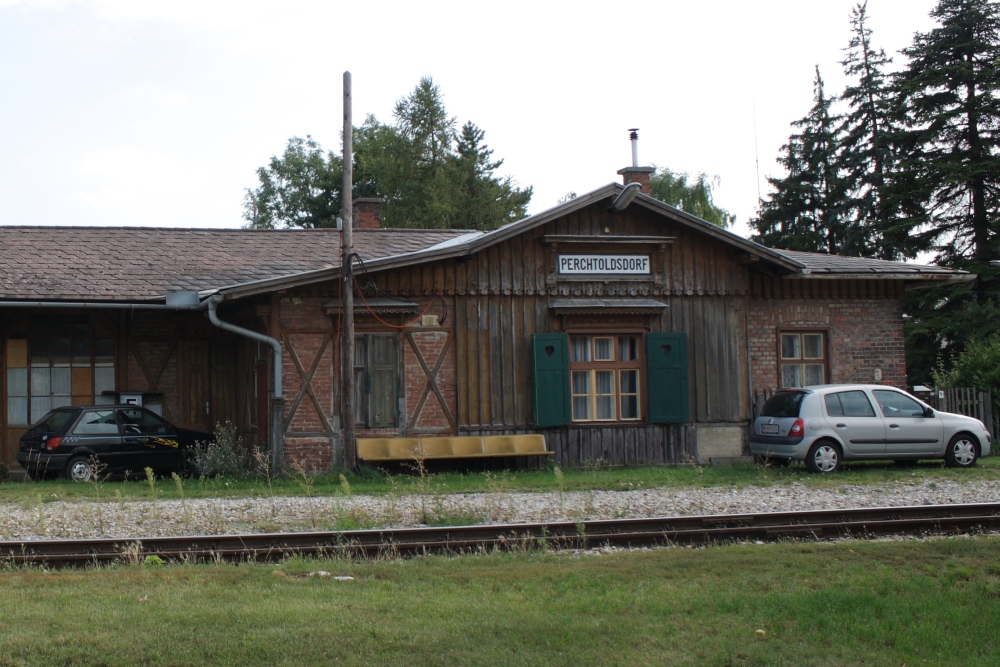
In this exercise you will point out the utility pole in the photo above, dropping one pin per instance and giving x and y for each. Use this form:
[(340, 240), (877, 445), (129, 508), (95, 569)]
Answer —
[(348, 442)]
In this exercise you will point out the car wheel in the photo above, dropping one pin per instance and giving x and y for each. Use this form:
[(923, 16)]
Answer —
[(80, 469), (962, 452), (823, 457)]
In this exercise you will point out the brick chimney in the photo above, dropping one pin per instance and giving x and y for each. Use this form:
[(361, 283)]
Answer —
[(635, 173), (367, 213)]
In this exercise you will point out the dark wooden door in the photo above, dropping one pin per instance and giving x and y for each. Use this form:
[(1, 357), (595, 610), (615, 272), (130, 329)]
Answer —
[(197, 408)]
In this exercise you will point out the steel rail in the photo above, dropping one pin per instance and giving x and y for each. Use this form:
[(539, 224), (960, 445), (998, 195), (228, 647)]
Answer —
[(392, 542)]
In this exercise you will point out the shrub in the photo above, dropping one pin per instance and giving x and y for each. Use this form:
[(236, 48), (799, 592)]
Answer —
[(226, 457)]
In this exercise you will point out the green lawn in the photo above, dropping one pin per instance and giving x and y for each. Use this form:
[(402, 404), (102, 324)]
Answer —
[(888, 603), (403, 481)]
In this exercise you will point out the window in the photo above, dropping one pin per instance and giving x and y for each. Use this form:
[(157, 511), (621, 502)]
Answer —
[(894, 404), (97, 422), (849, 404), (136, 421), (376, 381), (60, 363), (604, 377), (803, 359)]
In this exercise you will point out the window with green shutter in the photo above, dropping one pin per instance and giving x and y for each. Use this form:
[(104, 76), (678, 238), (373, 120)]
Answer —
[(667, 368)]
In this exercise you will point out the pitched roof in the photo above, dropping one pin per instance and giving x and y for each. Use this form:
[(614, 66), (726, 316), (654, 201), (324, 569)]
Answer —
[(144, 264), (820, 265)]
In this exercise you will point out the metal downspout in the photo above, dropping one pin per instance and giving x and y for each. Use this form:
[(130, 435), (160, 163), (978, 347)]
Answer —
[(277, 435)]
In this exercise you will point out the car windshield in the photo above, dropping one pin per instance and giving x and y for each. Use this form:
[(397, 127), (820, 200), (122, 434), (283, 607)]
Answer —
[(783, 404), (53, 421)]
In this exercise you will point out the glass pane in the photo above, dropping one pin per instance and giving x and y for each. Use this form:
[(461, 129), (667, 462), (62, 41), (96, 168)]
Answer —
[(813, 344), (630, 407), (110, 399), (17, 383), (17, 410), (581, 382), (790, 376), (814, 373), (894, 404), (856, 404), (605, 407), (81, 352), (605, 382), (61, 401), (630, 382), (139, 421), (60, 351), (41, 381), (39, 406), (628, 348), (581, 408), (579, 348), (833, 407), (790, 346), (104, 380), (98, 422), (61, 384), (104, 352), (604, 349), (39, 352)]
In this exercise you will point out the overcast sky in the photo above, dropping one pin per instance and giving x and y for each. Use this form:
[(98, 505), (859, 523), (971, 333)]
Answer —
[(158, 113)]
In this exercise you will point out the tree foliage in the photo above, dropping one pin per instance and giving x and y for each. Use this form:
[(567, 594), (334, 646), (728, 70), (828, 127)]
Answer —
[(865, 155), (808, 208), (693, 195), (427, 174)]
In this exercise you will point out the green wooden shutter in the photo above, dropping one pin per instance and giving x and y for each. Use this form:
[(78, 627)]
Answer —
[(551, 352), (667, 370)]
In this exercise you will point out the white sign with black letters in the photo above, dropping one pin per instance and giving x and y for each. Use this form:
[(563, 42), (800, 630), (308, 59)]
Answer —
[(604, 264)]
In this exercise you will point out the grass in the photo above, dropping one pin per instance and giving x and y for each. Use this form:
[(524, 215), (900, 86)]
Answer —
[(888, 603), (405, 482)]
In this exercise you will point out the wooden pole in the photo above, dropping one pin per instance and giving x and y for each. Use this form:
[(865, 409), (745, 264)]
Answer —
[(348, 442)]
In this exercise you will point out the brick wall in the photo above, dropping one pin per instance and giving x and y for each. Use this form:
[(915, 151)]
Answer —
[(863, 336), (432, 416)]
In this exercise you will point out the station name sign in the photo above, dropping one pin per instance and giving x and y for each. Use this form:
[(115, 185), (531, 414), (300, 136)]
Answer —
[(604, 264)]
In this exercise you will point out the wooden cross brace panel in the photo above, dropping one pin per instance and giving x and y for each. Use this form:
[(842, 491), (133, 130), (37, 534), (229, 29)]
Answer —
[(432, 385), (307, 389)]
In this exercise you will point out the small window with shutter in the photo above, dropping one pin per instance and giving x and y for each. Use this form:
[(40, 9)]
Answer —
[(376, 381)]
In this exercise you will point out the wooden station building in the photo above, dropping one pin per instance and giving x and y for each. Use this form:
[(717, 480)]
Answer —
[(624, 330)]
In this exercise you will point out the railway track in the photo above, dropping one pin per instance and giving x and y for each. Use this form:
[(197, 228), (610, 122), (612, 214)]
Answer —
[(681, 531)]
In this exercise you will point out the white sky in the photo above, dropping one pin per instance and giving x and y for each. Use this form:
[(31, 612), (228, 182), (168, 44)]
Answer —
[(158, 113)]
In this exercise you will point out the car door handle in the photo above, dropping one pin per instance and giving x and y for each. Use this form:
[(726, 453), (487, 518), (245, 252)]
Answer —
[(841, 425), (893, 425)]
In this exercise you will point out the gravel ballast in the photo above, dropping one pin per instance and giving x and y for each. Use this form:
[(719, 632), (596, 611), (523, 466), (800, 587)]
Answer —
[(59, 519)]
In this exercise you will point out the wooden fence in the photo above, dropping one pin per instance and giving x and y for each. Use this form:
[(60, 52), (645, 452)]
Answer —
[(963, 401)]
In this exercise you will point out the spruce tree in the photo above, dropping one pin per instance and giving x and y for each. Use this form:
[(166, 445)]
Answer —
[(807, 209), (949, 164), (864, 154)]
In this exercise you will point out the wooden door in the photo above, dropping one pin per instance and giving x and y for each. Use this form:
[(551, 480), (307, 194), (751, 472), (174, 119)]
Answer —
[(197, 407)]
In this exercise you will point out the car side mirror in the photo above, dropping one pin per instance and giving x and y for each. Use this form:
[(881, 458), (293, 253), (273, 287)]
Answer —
[(928, 412)]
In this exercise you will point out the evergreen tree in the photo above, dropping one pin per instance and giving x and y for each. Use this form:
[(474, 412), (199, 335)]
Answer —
[(482, 200), (947, 175), (864, 154), (808, 208), (693, 197), (949, 167)]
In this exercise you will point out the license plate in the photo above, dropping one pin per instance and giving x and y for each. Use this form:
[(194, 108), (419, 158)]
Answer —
[(769, 428)]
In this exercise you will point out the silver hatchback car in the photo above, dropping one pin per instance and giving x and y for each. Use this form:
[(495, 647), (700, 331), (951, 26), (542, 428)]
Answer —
[(824, 425)]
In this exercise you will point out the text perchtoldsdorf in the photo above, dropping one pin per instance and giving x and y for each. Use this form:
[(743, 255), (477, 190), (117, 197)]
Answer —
[(619, 264)]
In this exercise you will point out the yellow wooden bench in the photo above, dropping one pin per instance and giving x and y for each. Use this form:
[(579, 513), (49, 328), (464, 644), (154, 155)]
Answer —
[(459, 447)]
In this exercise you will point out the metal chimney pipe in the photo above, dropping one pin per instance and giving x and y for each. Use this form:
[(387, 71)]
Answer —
[(634, 136)]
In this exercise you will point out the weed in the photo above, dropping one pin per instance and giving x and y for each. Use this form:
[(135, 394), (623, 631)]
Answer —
[(151, 480), (179, 483), (561, 486), (308, 486), (226, 456)]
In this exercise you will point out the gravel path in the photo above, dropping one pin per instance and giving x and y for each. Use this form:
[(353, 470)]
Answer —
[(55, 520)]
